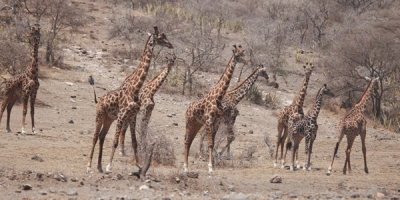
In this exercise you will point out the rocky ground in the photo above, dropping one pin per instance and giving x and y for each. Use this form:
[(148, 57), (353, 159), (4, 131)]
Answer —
[(52, 163)]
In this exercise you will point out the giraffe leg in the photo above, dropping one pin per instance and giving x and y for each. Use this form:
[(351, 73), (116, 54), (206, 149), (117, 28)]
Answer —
[(288, 145), (350, 141), (102, 136), (278, 142), (230, 138), (7, 97), (99, 123), (121, 126), (192, 127), (282, 141), (308, 165), (335, 152), (133, 138), (9, 108), (295, 147), (24, 111), (202, 136), (364, 150), (33, 99), (211, 129), (144, 124)]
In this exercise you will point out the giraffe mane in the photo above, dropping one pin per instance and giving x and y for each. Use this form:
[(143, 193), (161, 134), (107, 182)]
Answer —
[(362, 96)]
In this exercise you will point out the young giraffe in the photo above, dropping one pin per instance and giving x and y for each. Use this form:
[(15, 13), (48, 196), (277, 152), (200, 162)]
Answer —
[(123, 103), (24, 85), (208, 110), (305, 127), (146, 95), (354, 124), (229, 106), (296, 108)]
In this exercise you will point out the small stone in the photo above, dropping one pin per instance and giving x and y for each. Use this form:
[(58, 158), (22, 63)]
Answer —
[(17, 191), (42, 193), (231, 187), (144, 187), (169, 115), (355, 195), (72, 193), (74, 179), (175, 124), (132, 188), (26, 187), (71, 121), (73, 96), (291, 195), (39, 176), (37, 158), (94, 185), (380, 195), (279, 194), (177, 180), (251, 132), (73, 107), (275, 179), (244, 125)]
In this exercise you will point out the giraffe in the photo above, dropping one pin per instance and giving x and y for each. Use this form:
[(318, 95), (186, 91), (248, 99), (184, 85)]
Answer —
[(208, 110), (123, 103), (305, 127), (296, 108), (146, 95), (353, 124), (229, 103), (24, 85)]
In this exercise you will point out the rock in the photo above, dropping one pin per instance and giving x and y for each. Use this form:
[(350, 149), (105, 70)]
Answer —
[(275, 179), (355, 195), (291, 195), (71, 121), (73, 96), (279, 194), (37, 158), (175, 124), (73, 107), (42, 193), (26, 187), (169, 115), (74, 179), (39, 176), (251, 132), (380, 195), (144, 187), (177, 180), (69, 83), (94, 185), (60, 177), (72, 193), (239, 196)]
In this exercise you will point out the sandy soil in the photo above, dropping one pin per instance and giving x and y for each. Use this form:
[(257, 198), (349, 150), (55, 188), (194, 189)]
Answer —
[(53, 162)]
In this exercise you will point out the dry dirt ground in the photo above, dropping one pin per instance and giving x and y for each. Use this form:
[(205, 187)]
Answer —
[(53, 162)]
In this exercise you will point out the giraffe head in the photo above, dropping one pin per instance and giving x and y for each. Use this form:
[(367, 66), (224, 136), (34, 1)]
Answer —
[(34, 35), (326, 91), (170, 59), (238, 54), (159, 38), (263, 72), (308, 68)]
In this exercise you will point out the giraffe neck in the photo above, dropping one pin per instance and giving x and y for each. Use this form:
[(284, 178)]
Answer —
[(133, 83), (219, 90), (241, 90), (314, 111), (152, 86), (32, 69), (298, 101), (361, 105)]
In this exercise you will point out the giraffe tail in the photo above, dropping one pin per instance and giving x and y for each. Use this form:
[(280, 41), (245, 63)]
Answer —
[(91, 82)]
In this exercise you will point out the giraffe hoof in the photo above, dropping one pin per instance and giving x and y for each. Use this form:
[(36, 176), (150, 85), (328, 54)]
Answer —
[(275, 164), (366, 170), (9, 130), (122, 154), (291, 168), (88, 170), (328, 173)]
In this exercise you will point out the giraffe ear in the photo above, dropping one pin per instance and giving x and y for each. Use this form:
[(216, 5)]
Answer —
[(148, 33), (234, 46), (325, 85)]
